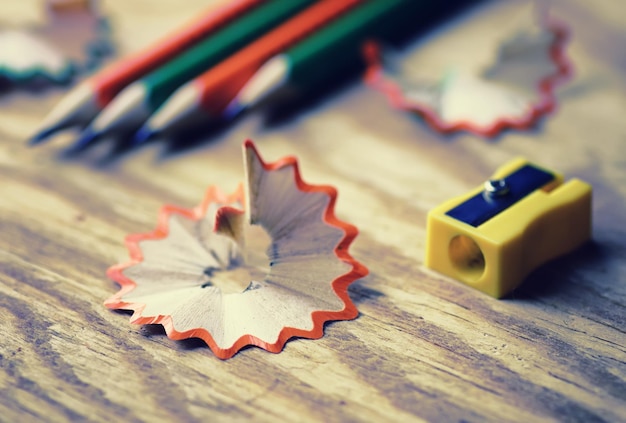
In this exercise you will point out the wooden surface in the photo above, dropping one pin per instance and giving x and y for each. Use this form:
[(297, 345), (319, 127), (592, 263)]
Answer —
[(424, 347)]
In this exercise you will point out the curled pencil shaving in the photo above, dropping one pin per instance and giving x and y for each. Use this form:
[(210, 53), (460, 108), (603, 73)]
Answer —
[(513, 92), (72, 38), (203, 272), (24, 57)]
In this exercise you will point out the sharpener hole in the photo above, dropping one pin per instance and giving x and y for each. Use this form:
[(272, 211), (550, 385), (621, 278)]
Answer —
[(467, 257)]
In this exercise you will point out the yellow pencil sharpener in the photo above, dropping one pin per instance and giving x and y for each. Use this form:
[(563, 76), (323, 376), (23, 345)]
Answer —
[(494, 236)]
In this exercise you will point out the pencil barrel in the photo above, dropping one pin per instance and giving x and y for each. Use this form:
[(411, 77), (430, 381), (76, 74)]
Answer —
[(165, 80), (336, 49)]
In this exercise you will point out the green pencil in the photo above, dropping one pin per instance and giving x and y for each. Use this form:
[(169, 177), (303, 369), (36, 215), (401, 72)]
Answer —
[(137, 101), (336, 48), (324, 52)]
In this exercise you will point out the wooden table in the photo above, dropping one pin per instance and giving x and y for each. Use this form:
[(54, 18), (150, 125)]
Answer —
[(424, 347)]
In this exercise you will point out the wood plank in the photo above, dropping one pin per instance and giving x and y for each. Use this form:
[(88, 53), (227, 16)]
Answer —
[(424, 347)]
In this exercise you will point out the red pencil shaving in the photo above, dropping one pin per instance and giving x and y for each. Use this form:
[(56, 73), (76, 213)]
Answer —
[(203, 272)]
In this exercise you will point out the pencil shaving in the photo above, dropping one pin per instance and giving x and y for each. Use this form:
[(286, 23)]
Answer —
[(24, 56), (205, 272), (68, 39), (514, 91)]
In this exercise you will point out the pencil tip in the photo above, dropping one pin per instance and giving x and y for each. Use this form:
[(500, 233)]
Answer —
[(234, 108), (78, 107), (47, 132), (42, 135), (144, 134), (85, 138)]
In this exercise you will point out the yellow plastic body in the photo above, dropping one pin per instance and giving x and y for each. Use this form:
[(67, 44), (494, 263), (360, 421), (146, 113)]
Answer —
[(496, 256)]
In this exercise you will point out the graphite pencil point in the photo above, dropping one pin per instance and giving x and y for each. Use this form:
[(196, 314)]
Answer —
[(144, 134), (88, 136), (44, 134)]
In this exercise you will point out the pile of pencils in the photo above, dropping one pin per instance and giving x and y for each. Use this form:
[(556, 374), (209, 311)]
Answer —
[(227, 60)]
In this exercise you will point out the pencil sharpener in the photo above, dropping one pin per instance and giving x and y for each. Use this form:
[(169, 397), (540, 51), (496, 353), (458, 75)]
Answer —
[(492, 237)]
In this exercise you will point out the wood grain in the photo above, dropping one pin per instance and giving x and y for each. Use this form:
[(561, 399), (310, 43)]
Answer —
[(424, 347)]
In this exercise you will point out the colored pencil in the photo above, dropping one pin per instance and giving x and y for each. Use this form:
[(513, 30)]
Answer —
[(211, 91), (87, 99), (338, 46), (129, 110)]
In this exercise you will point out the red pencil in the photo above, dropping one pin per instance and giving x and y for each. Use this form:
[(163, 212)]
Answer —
[(90, 97), (211, 92)]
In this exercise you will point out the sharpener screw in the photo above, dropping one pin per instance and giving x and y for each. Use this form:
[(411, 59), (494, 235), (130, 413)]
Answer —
[(496, 187)]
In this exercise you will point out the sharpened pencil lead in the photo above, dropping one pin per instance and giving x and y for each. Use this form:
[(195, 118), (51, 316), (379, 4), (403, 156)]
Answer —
[(144, 134), (44, 134), (87, 137), (234, 109)]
